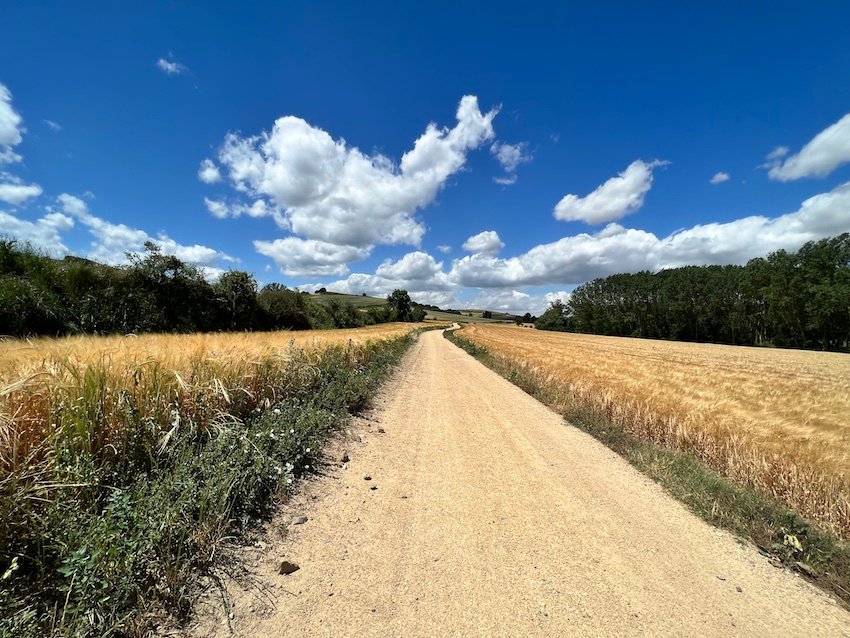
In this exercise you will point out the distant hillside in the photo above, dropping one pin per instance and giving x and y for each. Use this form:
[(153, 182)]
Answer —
[(358, 301), (434, 313)]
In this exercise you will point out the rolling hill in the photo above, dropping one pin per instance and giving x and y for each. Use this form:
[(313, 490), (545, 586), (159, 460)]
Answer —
[(434, 314)]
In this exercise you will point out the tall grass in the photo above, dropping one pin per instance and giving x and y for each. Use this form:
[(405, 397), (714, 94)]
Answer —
[(121, 475)]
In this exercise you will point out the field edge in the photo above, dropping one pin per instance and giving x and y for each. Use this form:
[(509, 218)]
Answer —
[(119, 573), (778, 532)]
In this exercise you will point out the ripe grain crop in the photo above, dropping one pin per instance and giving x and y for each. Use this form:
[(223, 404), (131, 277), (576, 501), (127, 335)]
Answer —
[(125, 462), (88, 382), (21, 358), (777, 421)]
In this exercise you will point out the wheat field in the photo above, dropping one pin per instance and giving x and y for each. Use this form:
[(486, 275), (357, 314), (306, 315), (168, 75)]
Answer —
[(20, 359), (775, 420), (89, 388)]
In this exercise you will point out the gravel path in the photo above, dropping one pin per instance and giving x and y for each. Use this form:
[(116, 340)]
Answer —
[(493, 518)]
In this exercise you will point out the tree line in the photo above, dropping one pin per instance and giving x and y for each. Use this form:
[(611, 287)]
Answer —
[(790, 299), (156, 292)]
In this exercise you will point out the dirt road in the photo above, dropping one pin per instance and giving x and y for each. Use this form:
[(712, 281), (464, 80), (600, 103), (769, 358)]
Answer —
[(493, 518)]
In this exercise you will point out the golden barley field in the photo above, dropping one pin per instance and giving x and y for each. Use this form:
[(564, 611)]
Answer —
[(20, 359), (776, 420), (89, 389)]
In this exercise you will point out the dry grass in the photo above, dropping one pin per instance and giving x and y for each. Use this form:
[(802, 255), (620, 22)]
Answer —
[(86, 388), (22, 358), (774, 420)]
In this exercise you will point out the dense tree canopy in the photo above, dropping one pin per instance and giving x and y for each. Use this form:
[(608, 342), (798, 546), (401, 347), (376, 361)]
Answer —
[(156, 292), (799, 299), (402, 308)]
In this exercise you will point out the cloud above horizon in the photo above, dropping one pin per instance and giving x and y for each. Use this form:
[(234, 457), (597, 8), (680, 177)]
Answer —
[(613, 200), (11, 128), (112, 241), (579, 258), (510, 156), (825, 152), (14, 191), (575, 259), (487, 242), (331, 194)]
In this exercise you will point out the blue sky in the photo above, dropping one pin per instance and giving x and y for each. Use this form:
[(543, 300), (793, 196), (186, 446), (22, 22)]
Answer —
[(473, 154)]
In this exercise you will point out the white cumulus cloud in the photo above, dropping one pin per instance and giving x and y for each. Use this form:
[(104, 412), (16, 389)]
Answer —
[(329, 192), (11, 128), (298, 257), (719, 178), (510, 156), (485, 243), (217, 208), (561, 295), (614, 199), (825, 152), (579, 258), (14, 191), (113, 241), (45, 233), (417, 272), (208, 172), (507, 300)]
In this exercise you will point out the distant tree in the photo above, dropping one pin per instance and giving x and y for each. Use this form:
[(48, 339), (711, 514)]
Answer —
[(400, 305), (321, 291), (165, 294), (284, 308), (555, 318), (791, 299), (487, 314), (237, 292), (379, 314)]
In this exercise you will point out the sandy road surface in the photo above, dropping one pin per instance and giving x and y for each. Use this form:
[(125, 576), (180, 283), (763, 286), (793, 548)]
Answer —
[(492, 518)]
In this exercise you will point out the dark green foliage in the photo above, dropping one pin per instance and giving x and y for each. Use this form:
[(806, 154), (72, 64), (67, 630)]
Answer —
[(555, 318), (284, 308), (336, 314), (237, 297), (402, 308), (400, 305), (798, 300), (154, 293)]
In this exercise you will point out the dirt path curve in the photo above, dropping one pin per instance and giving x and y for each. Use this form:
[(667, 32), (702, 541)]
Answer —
[(492, 518)]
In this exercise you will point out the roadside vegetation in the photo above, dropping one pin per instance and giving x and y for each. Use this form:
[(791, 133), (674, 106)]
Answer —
[(156, 292), (789, 299), (126, 463), (752, 440)]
